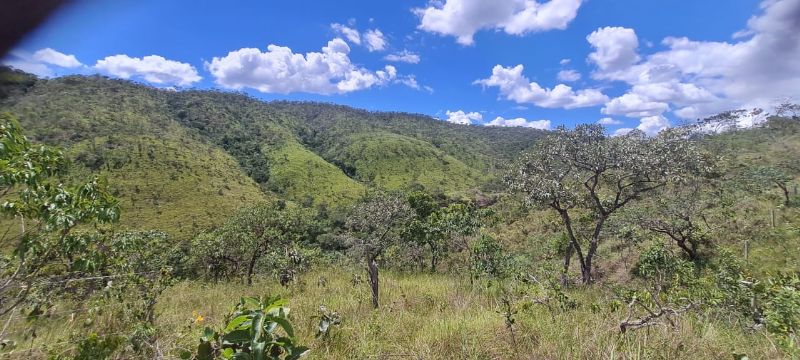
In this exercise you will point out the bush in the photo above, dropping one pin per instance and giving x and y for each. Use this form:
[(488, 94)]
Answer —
[(258, 328)]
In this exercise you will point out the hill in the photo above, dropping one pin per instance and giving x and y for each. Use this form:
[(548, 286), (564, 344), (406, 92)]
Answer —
[(200, 154)]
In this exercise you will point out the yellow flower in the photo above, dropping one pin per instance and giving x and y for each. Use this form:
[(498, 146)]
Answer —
[(197, 317)]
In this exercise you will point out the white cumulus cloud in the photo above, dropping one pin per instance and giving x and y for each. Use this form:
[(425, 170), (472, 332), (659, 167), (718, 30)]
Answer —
[(607, 121), (520, 122), (699, 78), (615, 48), (568, 75), (463, 118), (152, 68), (44, 62), (651, 125), (53, 57), (403, 56), (463, 18), (516, 87), (349, 33), (279, 70), (634, 105), (374, 40)]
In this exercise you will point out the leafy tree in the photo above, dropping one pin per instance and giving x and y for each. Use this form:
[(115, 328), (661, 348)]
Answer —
[(680, 213), (48, 211), (488, 258), (787, 109), (767, 176), (582, 169), (249, 235), (449, 228), (374, 224)]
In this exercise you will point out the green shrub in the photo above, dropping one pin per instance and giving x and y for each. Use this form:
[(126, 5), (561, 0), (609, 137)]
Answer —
[(258, 328)]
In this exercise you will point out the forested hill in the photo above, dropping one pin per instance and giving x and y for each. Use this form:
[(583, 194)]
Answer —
[(180, 159)]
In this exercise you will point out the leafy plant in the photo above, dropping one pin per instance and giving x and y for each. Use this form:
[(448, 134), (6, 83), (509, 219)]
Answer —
[(327, 319), (257, 329)]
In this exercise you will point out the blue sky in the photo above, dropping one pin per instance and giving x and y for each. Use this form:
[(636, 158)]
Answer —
[(634, 63)]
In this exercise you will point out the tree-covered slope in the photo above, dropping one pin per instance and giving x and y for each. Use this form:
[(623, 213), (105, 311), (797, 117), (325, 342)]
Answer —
[(165, 177), (181, 186), (312, 153), (395, 161)]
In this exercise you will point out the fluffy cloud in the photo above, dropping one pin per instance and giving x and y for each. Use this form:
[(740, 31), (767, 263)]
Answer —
[(607, 121), (460, 117), (53, 57), (634, 105), (404, 56), (516, 87), (349, 33), (153, 68), (621, 131), (614, 48), (568, 75), (43, 62), (700, 78), (520, 122), (651, 125), (374, 40), (279, 70), (463, 18)]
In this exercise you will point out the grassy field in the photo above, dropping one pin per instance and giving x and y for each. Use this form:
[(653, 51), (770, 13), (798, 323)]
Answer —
[(444, 317)]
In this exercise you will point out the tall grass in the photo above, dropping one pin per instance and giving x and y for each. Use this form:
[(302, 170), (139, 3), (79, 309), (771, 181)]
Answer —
[(435, 316)]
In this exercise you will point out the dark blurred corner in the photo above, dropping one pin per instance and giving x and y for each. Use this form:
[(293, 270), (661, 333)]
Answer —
[(19, 17)]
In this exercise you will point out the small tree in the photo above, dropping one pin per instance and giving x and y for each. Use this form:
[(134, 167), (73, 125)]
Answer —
[(768, 176), (582, 169), (251, 234), (48, 211), (680, 213), (374, 224), (787, 109)]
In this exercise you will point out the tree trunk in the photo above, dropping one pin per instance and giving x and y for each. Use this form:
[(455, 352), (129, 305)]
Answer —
[(251, 267), (691, 251), (434, 261), (372, 269), (574, 244), (785, 190), (565, 272), (586, 268)]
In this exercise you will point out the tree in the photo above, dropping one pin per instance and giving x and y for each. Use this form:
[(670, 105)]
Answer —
[(582, 169), (251, 234), (680, 213), (48, 211), (787, 109), (440, 228), (449, 229), (767, 176), (374, 224)]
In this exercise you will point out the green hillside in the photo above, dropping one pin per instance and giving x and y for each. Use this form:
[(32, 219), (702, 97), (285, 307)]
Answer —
[(302, 176), (181, 187), (394, 161), (295, 150)]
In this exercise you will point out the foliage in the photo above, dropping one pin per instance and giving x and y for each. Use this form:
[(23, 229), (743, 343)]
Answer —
[(373, 225), (584, 169), (327, 319), (258, 328), (29, 192), (488, 258), (764, 177), (269, 229)]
